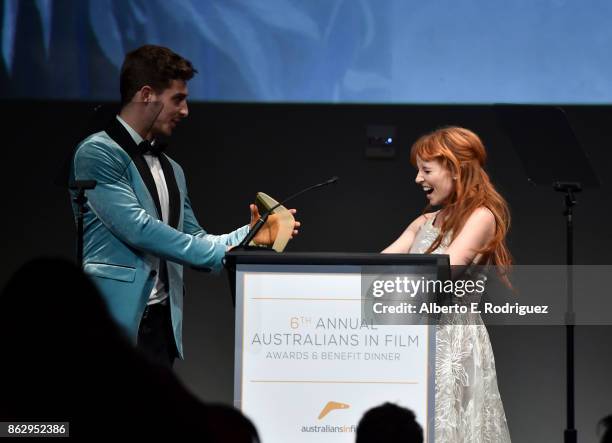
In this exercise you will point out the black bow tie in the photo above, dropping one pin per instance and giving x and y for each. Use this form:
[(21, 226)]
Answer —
[(154, 149)]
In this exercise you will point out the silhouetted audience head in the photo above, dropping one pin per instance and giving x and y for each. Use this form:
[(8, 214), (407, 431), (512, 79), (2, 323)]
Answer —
[(51, 309), (65, 359), (604, 429), (389, 423)]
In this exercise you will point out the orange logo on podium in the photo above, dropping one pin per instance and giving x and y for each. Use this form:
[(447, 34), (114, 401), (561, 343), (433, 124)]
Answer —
[(332, 405)]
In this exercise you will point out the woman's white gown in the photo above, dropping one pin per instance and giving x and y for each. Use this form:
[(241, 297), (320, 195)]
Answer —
[(468, 407)]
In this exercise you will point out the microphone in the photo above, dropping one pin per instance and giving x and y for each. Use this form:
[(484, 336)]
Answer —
[(262, 219)]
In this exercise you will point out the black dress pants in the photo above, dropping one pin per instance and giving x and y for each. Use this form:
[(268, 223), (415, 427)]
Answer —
[(155, 335)]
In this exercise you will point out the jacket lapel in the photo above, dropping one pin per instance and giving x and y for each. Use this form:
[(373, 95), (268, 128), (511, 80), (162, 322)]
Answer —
[(119, 134), (173, 191)]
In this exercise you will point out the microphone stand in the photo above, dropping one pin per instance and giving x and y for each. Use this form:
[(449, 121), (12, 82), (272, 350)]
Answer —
[(535, 131), (81, 200), (569, 188)]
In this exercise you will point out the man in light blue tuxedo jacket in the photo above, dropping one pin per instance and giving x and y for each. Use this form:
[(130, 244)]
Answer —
[(140, 229)]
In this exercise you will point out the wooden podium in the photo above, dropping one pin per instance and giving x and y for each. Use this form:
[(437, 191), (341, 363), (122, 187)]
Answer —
[(307, 362)]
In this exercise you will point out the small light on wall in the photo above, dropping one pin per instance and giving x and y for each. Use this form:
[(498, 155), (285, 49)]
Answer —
[(380, 142)]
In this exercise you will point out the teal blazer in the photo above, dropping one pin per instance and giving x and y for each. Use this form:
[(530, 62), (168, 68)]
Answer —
[(123, 228)]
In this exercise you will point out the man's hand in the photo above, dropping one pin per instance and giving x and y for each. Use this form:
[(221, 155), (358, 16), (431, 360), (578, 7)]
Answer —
[(268, 232)]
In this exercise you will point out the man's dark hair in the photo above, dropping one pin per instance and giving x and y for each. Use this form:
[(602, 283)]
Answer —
[(152, 65), (389, 423)]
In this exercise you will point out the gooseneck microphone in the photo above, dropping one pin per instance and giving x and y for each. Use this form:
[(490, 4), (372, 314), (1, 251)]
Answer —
[(262, 219)]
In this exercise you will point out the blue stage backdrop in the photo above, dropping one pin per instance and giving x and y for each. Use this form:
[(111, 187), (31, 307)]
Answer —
[(325, 51)]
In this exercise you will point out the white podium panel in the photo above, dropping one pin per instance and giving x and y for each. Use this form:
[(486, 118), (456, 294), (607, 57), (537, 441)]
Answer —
[(307, 366)]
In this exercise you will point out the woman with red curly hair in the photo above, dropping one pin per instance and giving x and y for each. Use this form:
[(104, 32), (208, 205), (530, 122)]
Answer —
[(471, 227)]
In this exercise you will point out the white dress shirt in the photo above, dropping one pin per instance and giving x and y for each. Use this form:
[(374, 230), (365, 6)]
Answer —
[(159, 292)]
